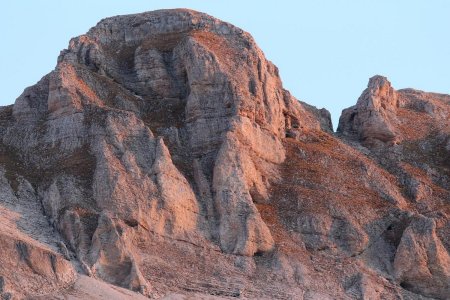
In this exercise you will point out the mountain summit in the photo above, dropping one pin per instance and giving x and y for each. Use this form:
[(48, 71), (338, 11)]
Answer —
[(163, 156)]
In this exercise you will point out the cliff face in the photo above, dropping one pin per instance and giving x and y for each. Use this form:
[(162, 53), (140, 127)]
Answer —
[(163, 155)]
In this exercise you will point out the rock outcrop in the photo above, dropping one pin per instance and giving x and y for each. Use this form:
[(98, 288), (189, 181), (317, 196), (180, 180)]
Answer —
[(373, 117), (163, 155), (421, 263), (416, 154)]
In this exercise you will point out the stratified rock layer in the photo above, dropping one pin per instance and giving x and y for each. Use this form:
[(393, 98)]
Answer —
[(163, 155)]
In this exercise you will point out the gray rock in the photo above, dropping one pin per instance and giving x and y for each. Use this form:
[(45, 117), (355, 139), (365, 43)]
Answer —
[(163, 155)]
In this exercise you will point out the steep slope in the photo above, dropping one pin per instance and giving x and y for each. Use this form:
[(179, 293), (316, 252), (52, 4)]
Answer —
[(407, 132), (163, 155)]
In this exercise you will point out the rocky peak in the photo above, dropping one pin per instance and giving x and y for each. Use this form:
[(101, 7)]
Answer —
[(372, 120), (383, 116), (174, 107), (163, 155), (379, 95)]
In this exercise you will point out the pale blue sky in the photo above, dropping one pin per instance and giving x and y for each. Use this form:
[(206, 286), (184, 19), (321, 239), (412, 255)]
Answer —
[(325, 50)]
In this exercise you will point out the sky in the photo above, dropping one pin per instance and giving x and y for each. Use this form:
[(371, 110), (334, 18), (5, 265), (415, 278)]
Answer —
[(326, 50)]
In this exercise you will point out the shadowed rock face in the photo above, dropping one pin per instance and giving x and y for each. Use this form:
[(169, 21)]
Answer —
[(163, 155)]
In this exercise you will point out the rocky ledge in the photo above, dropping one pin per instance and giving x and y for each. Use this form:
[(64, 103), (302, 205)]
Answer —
[(163, 155)]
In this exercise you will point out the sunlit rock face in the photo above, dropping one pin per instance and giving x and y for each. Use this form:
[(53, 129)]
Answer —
[(163, 156), (373, 117)]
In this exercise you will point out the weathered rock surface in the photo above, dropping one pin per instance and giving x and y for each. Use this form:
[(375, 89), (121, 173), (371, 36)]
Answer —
[(416, 154), (29, 257), (421, 263), (373, 117), (163, 155)]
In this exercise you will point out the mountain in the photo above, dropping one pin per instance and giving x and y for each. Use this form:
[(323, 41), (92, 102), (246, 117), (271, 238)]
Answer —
[(163, 158)]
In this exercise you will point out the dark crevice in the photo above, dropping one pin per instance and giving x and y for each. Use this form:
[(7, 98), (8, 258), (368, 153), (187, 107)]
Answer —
[(131, 223)]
